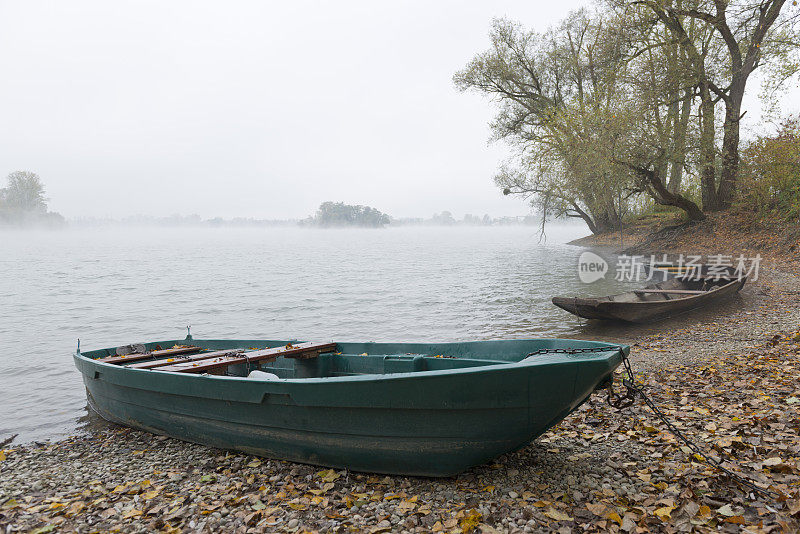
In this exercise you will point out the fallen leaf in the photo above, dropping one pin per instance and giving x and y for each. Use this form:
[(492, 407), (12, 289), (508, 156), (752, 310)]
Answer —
[(329, 475), (557, 515), (736, 520), (726, 510), (614, 516), (664, 512)]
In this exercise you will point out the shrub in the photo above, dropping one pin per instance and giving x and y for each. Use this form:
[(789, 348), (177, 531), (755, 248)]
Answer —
[(770, 177)]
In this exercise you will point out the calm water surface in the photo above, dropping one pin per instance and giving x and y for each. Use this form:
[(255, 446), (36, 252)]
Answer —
[(111, 287)]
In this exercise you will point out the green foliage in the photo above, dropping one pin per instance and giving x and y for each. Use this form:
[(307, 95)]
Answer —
[(771, 173), (622, 102), (339, 214), (22, 202), (24, 192)]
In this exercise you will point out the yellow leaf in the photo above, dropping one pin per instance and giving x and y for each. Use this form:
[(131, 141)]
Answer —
[(132, 513), (150, 495), (75, 509), (736, 520), (614, 516), (10, 503), (2, 455), (254, 463), (470, 521), (488, 488), (557, 515), (329, 475), (664, 512)]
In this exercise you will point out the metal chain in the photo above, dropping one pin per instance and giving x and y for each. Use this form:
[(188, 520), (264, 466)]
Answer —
[(633, 390), (574, 350)]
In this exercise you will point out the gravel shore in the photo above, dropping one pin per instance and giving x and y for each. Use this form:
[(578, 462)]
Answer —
[(765, 307), (731, 379)]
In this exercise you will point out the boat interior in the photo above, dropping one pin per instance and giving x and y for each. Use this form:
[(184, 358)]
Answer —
[(312, 360), (282, 359), (672, 289)]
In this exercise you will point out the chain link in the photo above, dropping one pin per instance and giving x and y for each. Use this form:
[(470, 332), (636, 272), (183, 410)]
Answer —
[(634, 390), (575, 350)]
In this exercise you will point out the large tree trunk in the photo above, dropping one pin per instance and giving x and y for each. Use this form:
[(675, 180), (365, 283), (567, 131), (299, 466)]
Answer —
[(606, 220), (679, 147), (708, 172), (663, 196), (730, 147)]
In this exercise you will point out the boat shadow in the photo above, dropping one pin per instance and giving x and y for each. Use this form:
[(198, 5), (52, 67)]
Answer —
[(620, 331)]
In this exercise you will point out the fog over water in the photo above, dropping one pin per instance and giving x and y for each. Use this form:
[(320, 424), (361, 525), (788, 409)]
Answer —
[(110, 287), (252, 109)]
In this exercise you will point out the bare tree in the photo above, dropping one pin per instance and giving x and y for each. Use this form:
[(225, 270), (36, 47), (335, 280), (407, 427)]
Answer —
[(745, 30)]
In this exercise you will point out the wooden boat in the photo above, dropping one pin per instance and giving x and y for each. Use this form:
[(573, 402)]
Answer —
[(654, 301), (431, 409)]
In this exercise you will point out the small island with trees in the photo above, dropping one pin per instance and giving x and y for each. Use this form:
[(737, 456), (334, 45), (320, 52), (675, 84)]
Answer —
[(23, 202), (339, 215)]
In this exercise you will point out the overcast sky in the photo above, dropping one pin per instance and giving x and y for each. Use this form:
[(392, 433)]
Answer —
[(254, 109)]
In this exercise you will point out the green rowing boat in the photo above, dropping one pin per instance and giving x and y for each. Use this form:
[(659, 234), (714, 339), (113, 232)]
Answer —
[(430, 409)]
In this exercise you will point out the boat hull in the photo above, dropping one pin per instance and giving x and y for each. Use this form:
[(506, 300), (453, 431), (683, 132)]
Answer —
[(432, 423), (644, 311)]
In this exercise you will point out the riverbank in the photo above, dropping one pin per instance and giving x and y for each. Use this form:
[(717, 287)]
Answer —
[(599, 470), (728, 233)]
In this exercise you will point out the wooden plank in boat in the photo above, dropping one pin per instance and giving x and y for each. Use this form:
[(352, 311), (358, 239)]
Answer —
[(301, 350), (139, 356), (184, 359), (676, 291)]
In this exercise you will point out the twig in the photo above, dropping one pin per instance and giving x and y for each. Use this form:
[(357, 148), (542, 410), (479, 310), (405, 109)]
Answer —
[(8, 441)]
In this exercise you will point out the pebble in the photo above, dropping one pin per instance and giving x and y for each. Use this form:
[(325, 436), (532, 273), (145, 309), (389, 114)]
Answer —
[(44, 473)]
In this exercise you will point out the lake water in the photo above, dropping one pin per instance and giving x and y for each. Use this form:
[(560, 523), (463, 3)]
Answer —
[(111, 286)]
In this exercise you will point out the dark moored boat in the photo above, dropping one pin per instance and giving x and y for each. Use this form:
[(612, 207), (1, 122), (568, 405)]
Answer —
[(430, 409), (654, 301)]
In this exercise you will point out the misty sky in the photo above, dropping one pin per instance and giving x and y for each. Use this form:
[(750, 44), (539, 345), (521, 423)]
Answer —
[(253, 109)]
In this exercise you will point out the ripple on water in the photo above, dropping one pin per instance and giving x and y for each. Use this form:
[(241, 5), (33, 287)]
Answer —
[(402, 284)]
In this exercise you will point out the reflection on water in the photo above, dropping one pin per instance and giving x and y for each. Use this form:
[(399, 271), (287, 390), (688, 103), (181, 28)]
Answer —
[(112, 287)]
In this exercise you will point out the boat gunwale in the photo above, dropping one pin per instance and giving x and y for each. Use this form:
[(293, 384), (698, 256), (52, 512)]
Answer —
[(526, 361), (608, 298)]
